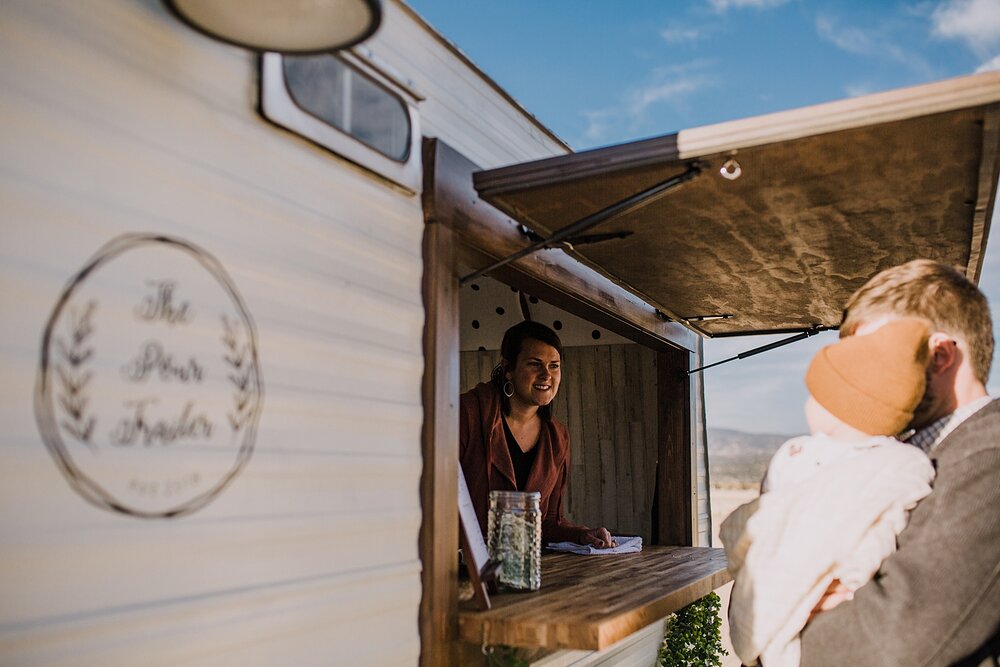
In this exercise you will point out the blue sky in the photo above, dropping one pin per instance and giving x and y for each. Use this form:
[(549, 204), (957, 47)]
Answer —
[(600, 73)]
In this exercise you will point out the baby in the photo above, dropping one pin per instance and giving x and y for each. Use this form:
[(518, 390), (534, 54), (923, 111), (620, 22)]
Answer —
[(832, 502)]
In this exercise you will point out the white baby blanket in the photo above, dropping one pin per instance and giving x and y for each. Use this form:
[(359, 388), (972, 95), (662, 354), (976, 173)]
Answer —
[(832, 510)]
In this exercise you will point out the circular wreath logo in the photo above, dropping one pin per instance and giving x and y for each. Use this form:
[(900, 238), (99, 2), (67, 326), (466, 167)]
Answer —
[(149, 389)]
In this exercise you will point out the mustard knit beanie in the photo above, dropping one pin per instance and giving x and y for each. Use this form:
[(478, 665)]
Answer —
[(873, 382)]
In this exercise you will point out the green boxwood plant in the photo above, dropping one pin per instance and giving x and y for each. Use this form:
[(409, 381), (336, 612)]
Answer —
[(693, 636)]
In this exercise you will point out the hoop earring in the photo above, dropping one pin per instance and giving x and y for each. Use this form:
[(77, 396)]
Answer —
[(508, 392)]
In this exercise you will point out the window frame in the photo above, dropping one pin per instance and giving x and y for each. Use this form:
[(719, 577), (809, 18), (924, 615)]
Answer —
[(458, 231), (279, 107)]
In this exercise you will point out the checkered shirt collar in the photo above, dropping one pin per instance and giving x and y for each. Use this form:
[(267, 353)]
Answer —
[(930, 436)]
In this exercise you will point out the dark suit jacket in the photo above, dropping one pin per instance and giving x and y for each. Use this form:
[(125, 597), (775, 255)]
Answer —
[(487, 465), (936, 601)]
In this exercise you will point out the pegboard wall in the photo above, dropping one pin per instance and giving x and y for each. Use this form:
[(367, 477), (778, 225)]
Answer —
[(488, 308)]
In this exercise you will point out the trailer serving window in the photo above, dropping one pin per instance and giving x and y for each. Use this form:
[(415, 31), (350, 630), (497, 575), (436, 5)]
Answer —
[(460, 234), (346, 106)]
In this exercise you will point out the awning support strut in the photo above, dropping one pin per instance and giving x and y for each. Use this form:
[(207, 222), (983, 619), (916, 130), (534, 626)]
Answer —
[(764, 348), (622, 207)]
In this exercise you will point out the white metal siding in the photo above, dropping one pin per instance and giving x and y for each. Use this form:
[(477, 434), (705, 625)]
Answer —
[(639, 649), (116, 118)]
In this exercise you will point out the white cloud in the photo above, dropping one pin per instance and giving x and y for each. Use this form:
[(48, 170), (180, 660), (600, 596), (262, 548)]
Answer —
[(723, 5), (671, 85), (852, 40), (990, 65), (871, 42), (599, 125), (642, 98), (675, 34), (976, 22), (858, 89)]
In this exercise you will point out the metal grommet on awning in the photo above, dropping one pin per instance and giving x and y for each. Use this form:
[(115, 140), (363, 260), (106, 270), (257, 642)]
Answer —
[(731, 169)]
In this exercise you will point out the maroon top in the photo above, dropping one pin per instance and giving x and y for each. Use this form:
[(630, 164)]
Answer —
[(487, 464)]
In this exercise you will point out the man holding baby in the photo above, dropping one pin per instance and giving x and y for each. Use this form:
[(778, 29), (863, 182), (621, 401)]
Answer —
[(936, 600)]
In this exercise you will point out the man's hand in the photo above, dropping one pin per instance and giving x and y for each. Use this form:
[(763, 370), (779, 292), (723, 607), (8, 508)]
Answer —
[(834, 594)]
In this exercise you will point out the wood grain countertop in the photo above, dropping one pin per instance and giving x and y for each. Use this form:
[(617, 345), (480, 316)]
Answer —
[(590, 602)]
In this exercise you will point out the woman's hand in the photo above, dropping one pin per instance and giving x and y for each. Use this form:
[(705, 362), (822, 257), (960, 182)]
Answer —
[(599, 537)]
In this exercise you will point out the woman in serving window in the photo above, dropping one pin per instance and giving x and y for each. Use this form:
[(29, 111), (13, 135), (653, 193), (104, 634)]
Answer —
[(509, 440)]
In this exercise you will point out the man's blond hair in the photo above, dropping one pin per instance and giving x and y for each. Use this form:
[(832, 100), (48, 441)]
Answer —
[(936, 292)]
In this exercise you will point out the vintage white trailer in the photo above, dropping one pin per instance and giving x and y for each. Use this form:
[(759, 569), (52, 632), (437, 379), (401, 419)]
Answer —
[(234, 333), (165, 209)]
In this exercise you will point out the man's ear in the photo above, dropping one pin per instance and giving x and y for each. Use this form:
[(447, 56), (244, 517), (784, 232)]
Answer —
[(945, 354)]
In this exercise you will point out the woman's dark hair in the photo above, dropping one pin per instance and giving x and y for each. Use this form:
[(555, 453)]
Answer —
[(510, 348)]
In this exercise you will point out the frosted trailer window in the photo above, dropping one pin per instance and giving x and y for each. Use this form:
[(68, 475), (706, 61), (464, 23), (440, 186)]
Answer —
[(331, 90)]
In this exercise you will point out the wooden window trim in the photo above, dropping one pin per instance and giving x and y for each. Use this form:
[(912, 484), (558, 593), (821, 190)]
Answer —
[(439, 481), (460, 227), (677, 521)]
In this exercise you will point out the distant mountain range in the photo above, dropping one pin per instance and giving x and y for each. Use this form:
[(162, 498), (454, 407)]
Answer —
[(738, 459)]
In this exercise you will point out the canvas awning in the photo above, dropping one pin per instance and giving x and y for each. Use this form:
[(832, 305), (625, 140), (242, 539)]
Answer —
[(828, 196)]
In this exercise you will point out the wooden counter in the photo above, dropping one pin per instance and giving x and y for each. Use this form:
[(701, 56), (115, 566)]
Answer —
[(590, 602)]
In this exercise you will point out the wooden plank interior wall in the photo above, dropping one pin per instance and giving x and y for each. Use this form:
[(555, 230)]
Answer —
[(607, 399)]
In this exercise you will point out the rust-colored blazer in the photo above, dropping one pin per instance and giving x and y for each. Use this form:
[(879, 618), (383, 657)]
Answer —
[(487, 465)]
